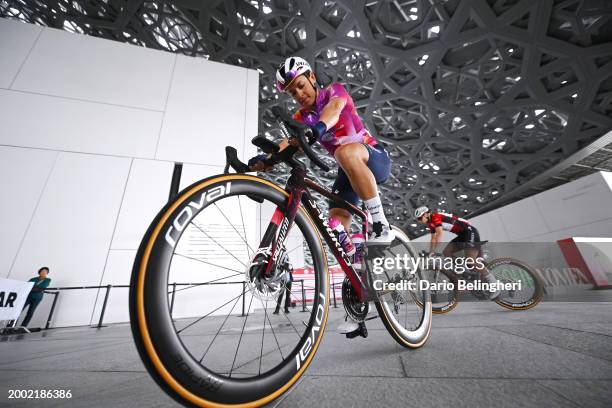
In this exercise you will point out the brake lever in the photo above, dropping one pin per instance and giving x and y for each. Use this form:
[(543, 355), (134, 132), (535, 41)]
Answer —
[(231, 160)]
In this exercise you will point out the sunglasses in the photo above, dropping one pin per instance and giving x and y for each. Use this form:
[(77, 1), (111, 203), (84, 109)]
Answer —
[(289, 77)]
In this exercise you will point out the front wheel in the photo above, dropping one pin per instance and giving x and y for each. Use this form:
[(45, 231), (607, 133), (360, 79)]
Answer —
[(406, 313), (528, 288), (202, 324), (443, 290)]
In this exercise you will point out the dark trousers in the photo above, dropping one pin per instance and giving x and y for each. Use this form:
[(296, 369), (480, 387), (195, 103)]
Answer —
[(287, 293), (33, 303)]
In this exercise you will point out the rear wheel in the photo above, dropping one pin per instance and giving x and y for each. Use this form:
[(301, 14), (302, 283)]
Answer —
[(405, 313), (202, 324)]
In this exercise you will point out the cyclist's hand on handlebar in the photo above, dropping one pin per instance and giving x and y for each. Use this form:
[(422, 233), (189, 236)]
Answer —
[(318, 130)]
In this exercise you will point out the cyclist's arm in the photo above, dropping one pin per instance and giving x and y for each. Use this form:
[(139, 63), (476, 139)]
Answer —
[(329, 116), (331, 112), (436, 237)]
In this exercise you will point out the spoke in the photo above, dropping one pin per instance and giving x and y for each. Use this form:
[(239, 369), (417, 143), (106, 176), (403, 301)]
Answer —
[(303, 301), (230, 223), (240, 339), (208, 263), (243, 228), (275, 338), (263, 333), (288, 319), (246, 363), (195, 285), (208, 314), (292, 325), (220, 246), (220, 328), (267, 317), (274, 334), (297, 247)]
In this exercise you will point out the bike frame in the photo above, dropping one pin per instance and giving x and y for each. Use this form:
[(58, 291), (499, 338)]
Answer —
[(273, 244)]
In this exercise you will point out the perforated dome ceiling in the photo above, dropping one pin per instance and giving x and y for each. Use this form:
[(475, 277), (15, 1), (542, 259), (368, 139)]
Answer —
[(471, 98)]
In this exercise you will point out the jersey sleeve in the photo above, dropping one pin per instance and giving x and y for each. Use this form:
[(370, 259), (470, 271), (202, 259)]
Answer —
[(337, 90), (436, 221)]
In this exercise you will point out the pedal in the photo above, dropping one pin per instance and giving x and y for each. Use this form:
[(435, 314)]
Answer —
[(361, 331)]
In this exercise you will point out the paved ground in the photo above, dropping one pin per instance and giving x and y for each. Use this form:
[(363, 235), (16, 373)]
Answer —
[(556, 355)]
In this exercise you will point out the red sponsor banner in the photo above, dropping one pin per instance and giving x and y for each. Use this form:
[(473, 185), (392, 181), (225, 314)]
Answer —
[(578, 254)]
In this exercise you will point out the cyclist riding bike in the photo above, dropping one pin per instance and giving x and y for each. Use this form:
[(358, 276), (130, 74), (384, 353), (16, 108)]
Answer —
[(467, 239), (363, 162)]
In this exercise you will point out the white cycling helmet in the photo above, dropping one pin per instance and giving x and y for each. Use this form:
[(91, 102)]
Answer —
[(418, 213), (292, 68)]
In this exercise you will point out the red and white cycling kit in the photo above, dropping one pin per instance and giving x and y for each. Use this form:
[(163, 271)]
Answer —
[(449, 222), (466, 234)]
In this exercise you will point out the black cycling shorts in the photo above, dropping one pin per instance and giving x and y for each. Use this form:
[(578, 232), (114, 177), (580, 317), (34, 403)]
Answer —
[(468, 238)]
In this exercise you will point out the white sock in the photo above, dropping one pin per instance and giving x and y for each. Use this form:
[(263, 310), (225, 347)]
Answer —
[(375, 208)]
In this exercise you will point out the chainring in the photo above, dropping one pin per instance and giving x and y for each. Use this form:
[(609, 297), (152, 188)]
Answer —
[(354, 308)]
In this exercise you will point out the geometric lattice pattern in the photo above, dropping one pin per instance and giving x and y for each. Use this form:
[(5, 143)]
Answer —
[(471, 98)]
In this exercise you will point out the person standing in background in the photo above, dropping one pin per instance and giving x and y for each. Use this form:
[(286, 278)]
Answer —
[(36, 294)]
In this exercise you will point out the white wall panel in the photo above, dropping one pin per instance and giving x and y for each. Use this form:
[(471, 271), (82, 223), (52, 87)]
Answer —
[(607, 176), (580, 202), (522, 219), (491, 227), (117, 272), (582, 207), (147, 192), (24, 174), (602, 228), (17, 41), (82, 123), (72, 228), (74, 307), (205, 112), (95, 69), (48, 122), (252, 114), (194, 172)]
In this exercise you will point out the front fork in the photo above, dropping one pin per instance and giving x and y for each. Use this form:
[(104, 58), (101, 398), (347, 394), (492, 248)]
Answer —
[(272, 246)]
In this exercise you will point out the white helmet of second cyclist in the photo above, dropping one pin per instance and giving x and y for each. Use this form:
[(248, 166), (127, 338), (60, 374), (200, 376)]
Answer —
[(418, 213), (292, 68)]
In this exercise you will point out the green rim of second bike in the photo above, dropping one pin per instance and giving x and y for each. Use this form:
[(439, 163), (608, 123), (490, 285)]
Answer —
[(538, 286)]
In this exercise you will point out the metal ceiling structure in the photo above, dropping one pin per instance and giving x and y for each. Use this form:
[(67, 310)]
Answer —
[(472, 99)]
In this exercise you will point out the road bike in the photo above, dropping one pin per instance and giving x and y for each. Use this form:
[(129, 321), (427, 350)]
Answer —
[(506, 270), (195, 342)]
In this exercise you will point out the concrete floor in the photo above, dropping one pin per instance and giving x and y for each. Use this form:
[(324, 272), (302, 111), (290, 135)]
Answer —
[(479, 355)]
